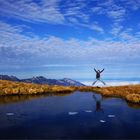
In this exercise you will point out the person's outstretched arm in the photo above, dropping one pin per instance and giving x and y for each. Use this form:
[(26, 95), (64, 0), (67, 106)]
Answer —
[(95, 70), (102, 71)]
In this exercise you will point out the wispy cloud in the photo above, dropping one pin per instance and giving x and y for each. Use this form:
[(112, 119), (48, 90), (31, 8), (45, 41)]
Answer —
[(116, 29), (78, 13), (70, 34), (93, 26), (118, 11), (28, 10), (70, 13), (14, 46), (117, 15), (61, 12), (96, 27)]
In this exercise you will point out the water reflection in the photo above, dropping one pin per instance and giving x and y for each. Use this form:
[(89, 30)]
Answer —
[(133, 105), (18, 98), (7, 99), (98, 104), (129, 104)]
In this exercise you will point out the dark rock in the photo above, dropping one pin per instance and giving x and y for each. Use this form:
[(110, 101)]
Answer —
[(10, 78)]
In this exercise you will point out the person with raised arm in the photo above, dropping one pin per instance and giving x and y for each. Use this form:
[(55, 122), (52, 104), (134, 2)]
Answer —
[(98, 76)]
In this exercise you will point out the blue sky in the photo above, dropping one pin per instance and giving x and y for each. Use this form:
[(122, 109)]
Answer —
[(68, 38)]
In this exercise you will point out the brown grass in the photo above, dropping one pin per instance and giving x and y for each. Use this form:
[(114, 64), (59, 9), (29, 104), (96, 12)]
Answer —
[(17, 88), (130, 93)]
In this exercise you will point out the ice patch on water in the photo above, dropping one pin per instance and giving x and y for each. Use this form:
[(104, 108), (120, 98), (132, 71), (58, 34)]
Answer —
[(111, 116), (88, 111), (72, 113), (9, 114), (102, 121)]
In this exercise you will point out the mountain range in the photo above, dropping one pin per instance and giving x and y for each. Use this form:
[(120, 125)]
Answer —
[(43, 80)]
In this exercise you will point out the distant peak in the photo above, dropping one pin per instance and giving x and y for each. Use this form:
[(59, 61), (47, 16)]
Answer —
[(43, 80), (39, 77)]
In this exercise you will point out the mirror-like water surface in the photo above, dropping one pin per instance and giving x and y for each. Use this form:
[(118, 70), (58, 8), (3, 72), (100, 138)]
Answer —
[(76, 115)]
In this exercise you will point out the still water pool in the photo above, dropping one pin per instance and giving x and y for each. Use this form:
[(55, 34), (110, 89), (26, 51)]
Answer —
[(81, 115)]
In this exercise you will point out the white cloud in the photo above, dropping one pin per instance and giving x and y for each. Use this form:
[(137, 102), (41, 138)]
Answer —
[(70, 13), (44, 11), (132, 4), (117, 11), (117, 14), (61, 12), (97, 9), (96, 27), (116, 29), (28, 10), (93, 26), (14, 46)]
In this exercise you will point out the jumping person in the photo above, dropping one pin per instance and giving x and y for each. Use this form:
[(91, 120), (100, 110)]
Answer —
[(98, 75)]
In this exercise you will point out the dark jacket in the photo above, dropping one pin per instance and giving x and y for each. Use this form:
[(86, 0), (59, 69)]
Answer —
[(98, 73)]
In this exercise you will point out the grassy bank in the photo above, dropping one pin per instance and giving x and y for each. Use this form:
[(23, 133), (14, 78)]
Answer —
[(14, 88), (131, 93)]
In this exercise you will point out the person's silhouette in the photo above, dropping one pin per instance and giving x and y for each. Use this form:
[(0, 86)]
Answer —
[(98, 75)]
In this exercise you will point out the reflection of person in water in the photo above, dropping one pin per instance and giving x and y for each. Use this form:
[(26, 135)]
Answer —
[(98, 104), (98, 75)]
